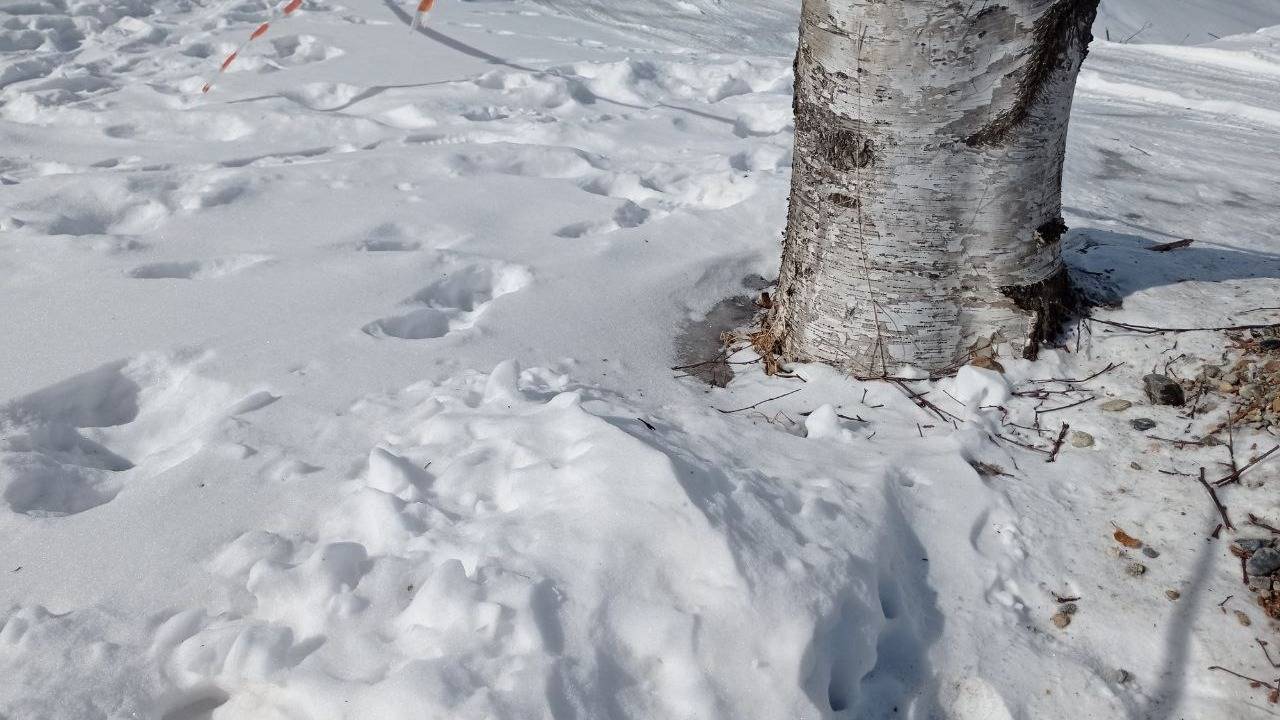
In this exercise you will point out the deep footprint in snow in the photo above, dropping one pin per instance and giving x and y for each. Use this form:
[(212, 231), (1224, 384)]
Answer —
[(303, 49), (628, 215), (196, 269), (197, 705), (390, 237), (66, 448), (452, 303)]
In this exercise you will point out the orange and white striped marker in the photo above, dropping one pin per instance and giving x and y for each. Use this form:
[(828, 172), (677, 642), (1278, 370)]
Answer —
[(285, 10), (424, 7)]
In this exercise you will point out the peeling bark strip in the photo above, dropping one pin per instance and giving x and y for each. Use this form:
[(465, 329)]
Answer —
[(1061, 34), (925, 212)]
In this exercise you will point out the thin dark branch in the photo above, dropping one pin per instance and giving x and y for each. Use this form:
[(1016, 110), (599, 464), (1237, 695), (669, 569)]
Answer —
[(1064, 407), (1153, 330), (1263, 644), (1176, 442), (1256, 521), (1266, 685), (717, 361), (1107, 369), (1023, 445), (752, 407), (1217, 503), (920, 400), (1175, 245), (1057, 444), (1235, 476)]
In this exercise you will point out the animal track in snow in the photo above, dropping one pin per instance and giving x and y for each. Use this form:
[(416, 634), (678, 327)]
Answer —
[(454, 302), (628, 215), (395, 237), (196, 269)]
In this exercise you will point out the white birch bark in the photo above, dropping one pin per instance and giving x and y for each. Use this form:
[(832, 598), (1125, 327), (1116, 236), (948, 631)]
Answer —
[(925, 210)]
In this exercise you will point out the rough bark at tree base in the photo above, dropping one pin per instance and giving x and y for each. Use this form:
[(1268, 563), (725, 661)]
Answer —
[(1050, 303), (925, 214)]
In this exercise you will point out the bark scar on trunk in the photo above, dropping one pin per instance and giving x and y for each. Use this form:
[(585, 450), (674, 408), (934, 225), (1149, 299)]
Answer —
[(1064, 27), (844, 149), (1050, 302), (1051, 232)]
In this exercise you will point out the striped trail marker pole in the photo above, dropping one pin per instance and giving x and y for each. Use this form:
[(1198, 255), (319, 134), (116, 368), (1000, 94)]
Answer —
[(285, 10), (424, 7)]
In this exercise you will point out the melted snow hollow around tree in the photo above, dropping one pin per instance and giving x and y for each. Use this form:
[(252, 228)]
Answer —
[(344, 391)]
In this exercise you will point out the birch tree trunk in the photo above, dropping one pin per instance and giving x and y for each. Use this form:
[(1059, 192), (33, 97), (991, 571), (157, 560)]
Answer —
[(925, 212)]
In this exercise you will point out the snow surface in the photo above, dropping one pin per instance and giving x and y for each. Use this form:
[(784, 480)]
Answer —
[(344, 391), (1182, 22)]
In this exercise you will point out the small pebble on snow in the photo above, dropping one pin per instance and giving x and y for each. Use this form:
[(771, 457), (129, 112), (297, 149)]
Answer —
[(1142, 424), (1135, 569), (1118, 676), (1081, 439), (1243, 618), (1150, 552), (1172, 594), (1061, 620), (1116, 405)]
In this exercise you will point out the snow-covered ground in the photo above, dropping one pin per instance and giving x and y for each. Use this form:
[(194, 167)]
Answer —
[(344, 391)]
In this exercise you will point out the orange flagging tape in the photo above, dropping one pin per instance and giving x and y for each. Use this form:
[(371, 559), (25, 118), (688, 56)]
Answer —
[(287, 9), (423, 8)]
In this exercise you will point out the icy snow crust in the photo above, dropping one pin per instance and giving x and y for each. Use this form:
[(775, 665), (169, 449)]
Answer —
[(343, 391)]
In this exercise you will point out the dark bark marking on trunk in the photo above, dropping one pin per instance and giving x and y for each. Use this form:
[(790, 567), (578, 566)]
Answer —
[(1051, 232), (1065, 26), (844, 201), (1050, 302), (844, 149)]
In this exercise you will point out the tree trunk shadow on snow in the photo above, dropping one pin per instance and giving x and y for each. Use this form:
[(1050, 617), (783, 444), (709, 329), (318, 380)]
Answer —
[(1110, 266), (1163, 702), (873, 662), (869, 656)]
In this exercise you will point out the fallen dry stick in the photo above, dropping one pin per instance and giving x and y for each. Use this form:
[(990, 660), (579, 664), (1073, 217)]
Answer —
[(1217, 503)]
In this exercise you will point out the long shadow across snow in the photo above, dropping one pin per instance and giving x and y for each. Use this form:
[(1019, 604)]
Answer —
[(1116, 265), (577, 88)]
